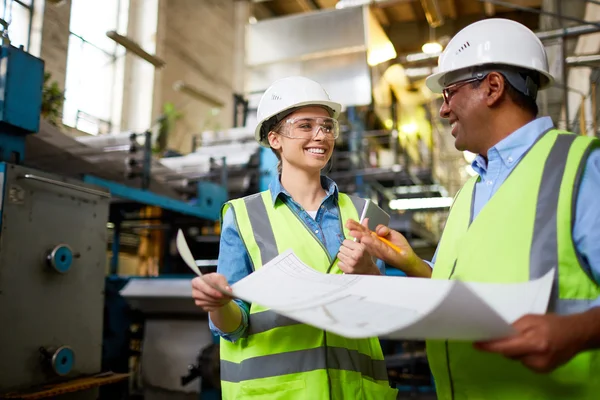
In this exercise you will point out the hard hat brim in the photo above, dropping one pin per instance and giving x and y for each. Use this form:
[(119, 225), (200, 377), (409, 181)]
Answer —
[(435, 82), (335, 107)]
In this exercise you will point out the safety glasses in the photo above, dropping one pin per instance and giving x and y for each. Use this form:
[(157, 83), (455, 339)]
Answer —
[(451, 89), (309, 128)]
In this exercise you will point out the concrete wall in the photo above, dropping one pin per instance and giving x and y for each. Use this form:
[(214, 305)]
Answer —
[(55, 40), (196, 39)]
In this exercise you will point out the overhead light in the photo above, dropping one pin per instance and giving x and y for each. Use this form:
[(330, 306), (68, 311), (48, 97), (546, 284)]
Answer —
[(421, 203), (351, 3), (409, 128), (432, 48), (416, 72), (135, 48), (181, 86), (414, 57)]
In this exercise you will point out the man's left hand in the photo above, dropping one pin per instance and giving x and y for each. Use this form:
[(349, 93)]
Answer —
[(542, 342), (355, 259)]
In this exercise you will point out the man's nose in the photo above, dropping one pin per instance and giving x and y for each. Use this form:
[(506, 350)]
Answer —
[(445, 110)]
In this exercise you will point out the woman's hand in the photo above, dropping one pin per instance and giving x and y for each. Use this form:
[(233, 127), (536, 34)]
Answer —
[(355, 259), (206, 296)]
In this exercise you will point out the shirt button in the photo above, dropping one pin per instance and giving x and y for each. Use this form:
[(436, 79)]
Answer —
[(510, 159), (490, 182), (317, 231)]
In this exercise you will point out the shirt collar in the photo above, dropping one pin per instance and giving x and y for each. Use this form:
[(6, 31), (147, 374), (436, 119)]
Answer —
[(512, 148), (277, 189)]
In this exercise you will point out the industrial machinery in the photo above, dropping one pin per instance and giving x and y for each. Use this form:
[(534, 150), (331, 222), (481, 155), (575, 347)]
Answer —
[(52, 257)]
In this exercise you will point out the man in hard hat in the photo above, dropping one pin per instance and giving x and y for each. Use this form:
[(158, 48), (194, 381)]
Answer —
[(532, 208)]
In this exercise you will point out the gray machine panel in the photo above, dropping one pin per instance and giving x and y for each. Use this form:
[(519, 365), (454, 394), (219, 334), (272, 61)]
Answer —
[(40, 306)]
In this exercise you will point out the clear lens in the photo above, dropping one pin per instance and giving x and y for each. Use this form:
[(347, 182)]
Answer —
[(310, 127)]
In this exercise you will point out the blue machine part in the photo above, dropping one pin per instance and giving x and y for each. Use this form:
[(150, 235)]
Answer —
[(2, 180), (210, 198), (63, 360), (151, 199), (21, 86), (61, 258), (267, 168)]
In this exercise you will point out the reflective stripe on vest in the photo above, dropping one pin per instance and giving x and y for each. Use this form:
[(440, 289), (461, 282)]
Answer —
[(521, 233), (304, 361), (262, 229)]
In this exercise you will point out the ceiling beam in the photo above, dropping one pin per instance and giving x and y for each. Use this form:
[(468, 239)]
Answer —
[(452, 13), (261, 10), (489, 9), (433, 13), (381, 16), (308, 5)]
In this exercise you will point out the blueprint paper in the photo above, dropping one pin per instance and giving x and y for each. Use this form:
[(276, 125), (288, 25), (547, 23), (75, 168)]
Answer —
[(360, 306)]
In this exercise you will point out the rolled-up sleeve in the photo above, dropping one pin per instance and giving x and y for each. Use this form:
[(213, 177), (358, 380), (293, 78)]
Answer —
[(233, 263)]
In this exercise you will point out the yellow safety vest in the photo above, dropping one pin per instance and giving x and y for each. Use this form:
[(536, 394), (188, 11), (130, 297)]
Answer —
[(281, 358), (523, 232)]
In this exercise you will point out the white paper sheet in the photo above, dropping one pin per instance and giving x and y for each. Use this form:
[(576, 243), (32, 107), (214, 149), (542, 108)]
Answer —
[(395, 307), (359, 306)]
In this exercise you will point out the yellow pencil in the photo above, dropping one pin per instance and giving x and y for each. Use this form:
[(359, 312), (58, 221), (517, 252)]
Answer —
[(384, 240)]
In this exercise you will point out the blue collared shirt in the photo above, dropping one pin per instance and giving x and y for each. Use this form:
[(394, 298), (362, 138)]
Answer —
[(505, 155), (234, 260)]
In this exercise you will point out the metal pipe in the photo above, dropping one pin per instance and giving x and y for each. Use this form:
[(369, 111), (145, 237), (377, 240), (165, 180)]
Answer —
[(583, 59), (541, 12), (582, 122), (594, 111), (568, 32), (565, 77)]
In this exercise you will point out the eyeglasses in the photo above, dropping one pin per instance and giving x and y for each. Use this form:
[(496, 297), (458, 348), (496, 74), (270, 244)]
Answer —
[(451, 90), (309, 128)]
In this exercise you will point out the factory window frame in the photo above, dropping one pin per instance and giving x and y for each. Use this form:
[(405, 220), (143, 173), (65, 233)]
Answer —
[(95, 66), (19, 16)]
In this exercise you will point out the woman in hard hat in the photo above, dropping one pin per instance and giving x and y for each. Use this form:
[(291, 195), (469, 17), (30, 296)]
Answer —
[(263, 354)]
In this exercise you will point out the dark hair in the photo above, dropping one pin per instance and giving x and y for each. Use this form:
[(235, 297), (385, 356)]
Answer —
[(523, 101)]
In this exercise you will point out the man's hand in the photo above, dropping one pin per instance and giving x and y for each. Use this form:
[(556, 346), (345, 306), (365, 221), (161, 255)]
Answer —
[(406, 261), (545, 342)]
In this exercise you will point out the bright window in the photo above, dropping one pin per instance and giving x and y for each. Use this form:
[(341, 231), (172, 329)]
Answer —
[(18, 14), (94, 83)]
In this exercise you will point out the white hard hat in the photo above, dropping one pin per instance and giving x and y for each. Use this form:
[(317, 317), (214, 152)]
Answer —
[(287, 94), (495, 41)]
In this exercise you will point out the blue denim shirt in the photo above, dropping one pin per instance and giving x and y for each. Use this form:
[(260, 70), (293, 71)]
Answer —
[(505, 155), (234, 260)]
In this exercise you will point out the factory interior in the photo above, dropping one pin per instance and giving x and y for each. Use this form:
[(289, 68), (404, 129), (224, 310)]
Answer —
[(124, 121)]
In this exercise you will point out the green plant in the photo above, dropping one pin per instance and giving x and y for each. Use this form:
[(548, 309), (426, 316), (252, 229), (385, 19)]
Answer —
[(52, 99), (166, 124)]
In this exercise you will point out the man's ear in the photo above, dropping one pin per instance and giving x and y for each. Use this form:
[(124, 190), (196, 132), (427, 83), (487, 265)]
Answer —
[(274, 140), (496, 86)]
